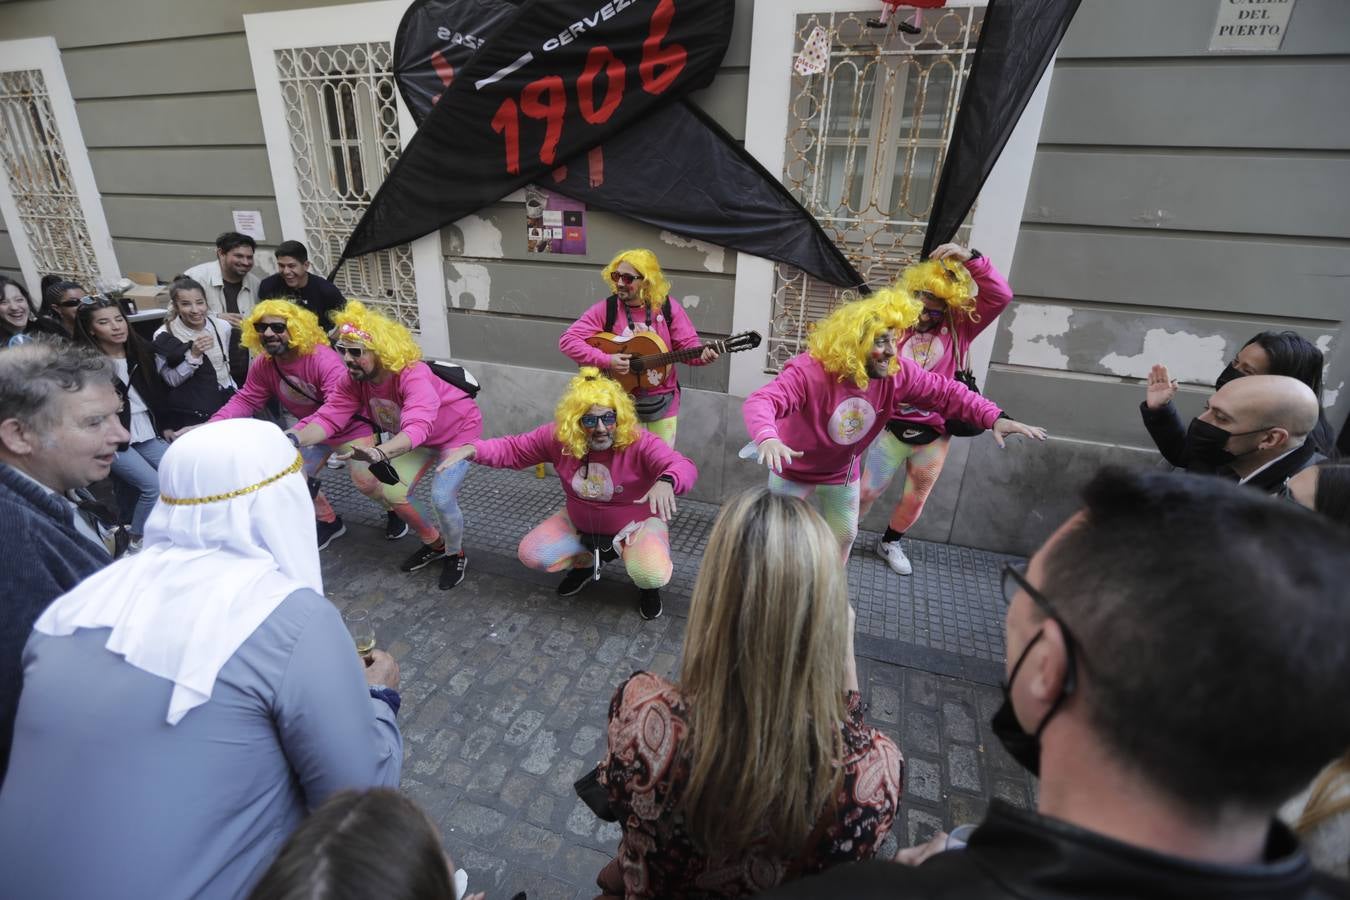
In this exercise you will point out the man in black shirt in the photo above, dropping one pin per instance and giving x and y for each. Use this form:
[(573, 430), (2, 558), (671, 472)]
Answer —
[(294, 281)]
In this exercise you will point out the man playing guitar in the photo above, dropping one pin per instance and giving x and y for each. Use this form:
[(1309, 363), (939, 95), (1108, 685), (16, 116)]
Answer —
[(641, 302)]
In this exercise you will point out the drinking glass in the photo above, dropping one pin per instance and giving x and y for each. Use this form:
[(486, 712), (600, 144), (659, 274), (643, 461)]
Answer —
[(362, 627)]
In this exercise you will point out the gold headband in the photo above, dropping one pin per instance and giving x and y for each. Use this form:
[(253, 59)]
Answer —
[(215, 498)]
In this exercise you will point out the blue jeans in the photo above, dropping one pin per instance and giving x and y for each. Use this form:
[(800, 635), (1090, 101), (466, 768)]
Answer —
[(137, 468)]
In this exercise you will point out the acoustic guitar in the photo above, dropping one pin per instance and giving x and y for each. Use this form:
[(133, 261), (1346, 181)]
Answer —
[(652, 360)]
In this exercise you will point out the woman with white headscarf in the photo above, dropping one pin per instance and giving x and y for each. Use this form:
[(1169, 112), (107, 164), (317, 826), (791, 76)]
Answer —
[(185, 707)]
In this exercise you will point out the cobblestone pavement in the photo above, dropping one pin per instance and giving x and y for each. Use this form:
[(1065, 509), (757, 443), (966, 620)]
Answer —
[(506, 686)]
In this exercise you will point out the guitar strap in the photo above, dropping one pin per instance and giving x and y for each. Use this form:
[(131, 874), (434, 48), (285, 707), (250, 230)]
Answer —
[(612, 312)]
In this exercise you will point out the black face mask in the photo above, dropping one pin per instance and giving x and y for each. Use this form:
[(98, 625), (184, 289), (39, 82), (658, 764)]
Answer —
[(1229, 373), (1205, 444), (1023, 747)]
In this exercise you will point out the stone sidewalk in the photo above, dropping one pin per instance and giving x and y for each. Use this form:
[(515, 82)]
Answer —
[(506, 686)]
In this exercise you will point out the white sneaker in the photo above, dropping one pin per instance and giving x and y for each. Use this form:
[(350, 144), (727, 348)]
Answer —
[(895, 557), (334, 463)]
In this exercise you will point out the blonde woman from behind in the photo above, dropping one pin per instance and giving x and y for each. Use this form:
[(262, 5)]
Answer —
[(756, 768)]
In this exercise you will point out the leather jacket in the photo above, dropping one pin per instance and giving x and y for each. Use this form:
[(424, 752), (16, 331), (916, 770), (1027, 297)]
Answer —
[(1019, 854)]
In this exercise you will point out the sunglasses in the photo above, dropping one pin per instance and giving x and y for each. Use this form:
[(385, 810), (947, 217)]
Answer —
[(274, 327), (353, 352), (623, 277), (71, 304), (590, 421), (933, 313)]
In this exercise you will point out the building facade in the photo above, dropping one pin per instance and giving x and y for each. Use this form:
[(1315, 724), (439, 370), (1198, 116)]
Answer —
[(1160, 202)]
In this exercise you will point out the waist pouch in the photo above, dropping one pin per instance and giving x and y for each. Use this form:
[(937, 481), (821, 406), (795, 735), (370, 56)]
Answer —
[(650, 409), (914, 433)]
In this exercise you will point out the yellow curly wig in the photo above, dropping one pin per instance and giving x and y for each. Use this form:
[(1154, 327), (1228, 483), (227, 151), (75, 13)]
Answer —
[(946, 279), (843, 339), (655, 288), (301, 325), (392, 343), (590, 388)]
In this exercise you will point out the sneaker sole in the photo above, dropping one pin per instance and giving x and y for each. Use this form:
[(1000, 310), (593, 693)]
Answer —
[(886, 559), (394, 537), (578, 589), (446, 587), (651, 618), (337, 534), (422, 565)]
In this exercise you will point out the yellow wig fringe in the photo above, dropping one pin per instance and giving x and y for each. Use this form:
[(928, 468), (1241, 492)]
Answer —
[(301, 324), (655, 288), (590, 388), (392, 343), (843, 340), (946, 279)]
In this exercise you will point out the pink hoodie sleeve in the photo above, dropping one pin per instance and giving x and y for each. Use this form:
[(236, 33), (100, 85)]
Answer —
[(946, 396), (682, 333), (339, 407), (775, 400), (573, 341), (259, 386), (420, 400), (995, 295), (517, 451), (662, 459), (332, 373)]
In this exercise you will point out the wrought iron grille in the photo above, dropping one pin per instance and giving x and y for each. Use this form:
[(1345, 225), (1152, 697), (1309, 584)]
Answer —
[(39, 177), (865, 144), (342, 120)]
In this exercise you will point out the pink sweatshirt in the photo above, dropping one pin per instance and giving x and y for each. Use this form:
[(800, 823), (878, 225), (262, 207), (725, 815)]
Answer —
[(678, 333), (603, 487), (319, 374), (937, 352), (431, 411), (833, 422)]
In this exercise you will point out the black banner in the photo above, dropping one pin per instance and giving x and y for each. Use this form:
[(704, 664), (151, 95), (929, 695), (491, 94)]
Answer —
[(1017, 42), (552, 80), (675, 169)]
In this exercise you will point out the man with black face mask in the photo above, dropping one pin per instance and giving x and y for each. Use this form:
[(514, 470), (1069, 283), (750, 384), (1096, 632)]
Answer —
[(1168, 708)]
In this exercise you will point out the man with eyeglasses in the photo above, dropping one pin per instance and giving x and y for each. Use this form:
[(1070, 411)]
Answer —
[(294, 365), (1176, 669), (392, 390), (640, 302), (619, 482)]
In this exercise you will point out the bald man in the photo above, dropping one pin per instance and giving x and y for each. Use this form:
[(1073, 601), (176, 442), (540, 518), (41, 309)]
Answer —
[(1254, 430)]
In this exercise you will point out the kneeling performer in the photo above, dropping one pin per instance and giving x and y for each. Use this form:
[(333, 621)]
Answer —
[(619, 480)]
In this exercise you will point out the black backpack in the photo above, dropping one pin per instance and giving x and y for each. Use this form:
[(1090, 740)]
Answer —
[(456, 375)]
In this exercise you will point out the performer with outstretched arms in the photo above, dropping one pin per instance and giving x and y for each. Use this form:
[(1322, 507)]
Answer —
[(641, 302), (962, 294), (811, 424), (620, 483), (394, 391), (294, 364)]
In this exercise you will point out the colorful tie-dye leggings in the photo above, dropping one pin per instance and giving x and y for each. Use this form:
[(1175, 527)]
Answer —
[(315, 455), (838, 504), (412, 467), (553, 545), (662, 428), (923, 465)]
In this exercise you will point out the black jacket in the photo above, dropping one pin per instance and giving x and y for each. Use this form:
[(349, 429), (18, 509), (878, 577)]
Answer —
[(1019, 854), (153, 391), (195, 400)]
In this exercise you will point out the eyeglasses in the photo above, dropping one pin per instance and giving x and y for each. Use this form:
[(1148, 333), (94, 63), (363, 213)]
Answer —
[(624, 277), (1015, 579), (276, 328), (590, 421), (353, 352), (933, 313), (94, 302)]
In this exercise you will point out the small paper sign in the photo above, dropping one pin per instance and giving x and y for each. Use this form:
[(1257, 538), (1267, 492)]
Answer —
[(249, 222), (814, 55), (1251, 24)]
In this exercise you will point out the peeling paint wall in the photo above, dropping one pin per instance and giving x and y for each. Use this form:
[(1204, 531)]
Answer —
[(1036, 331), (1189, 357), (714, 257)]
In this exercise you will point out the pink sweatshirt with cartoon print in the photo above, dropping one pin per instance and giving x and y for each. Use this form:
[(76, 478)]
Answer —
[(603, 487), (942, 350), (319, 374), (678, 334), (832, 422), (431, 411)]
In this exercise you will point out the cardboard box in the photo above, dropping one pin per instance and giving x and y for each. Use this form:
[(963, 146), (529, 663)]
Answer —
[(148, 296), (142, 277)]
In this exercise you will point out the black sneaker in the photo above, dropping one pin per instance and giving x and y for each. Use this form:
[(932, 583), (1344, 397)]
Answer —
[(452, 571), (649, 603), (575, 580), (394, 527), (424, 556), (328, 531)]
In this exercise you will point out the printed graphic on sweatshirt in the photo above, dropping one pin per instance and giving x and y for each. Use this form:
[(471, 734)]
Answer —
[(295, 398), (593, 482), (388, 413), (926, 349), (851, 421)]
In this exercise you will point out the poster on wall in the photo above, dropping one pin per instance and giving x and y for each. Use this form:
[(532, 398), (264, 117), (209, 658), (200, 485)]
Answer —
[(554, 223)]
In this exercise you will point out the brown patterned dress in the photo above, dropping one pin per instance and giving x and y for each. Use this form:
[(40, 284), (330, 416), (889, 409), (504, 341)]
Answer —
[(647, 767)]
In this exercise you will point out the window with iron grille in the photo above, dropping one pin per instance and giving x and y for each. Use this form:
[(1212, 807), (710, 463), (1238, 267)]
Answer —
[(865, 143)]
